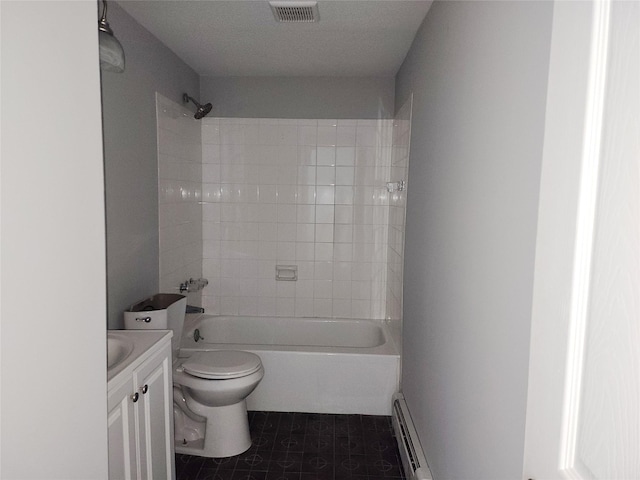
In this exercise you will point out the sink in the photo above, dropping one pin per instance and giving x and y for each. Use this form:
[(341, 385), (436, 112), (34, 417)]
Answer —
[(126, 349), (118, 349)]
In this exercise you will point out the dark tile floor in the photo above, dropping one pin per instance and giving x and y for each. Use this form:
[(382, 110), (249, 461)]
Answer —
[(305, 446)]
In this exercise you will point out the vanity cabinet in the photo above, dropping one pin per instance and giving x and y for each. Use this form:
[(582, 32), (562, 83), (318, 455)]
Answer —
[(140, 415), (122, 433)]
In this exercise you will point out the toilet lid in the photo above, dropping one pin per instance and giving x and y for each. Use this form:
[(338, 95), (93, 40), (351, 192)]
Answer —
[(221, 364)]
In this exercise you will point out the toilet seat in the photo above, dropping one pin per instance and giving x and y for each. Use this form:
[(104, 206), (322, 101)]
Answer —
[(222, 364)]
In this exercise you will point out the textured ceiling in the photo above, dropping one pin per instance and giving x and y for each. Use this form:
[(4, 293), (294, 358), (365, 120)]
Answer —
[(241, 37)]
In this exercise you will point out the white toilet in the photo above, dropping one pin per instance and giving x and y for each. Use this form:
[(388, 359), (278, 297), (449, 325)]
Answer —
[(209, 388)]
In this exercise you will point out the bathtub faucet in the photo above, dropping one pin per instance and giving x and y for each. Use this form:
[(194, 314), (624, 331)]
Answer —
[(192, 309), (193, 285)]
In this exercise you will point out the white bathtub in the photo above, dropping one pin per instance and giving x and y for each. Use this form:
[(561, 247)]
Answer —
[(311, 364)]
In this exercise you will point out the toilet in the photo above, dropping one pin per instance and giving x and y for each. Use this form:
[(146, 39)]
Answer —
[(215, 386), (209, 388)]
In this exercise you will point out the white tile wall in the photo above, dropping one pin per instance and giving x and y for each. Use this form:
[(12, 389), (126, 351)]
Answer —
[(239, 196), (303, 192), (397, 209), (180, 177)]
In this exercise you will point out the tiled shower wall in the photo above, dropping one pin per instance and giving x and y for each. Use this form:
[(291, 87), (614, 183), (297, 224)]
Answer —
[(397, 211), (180, 186), (239, 196), (310, 193)]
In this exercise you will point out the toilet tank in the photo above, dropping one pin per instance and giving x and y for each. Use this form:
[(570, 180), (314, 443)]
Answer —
[(163, 311)]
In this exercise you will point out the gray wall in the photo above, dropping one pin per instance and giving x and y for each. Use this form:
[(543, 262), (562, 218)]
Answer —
[(299, 97), (131, 167), (478, 71), (52, 247)]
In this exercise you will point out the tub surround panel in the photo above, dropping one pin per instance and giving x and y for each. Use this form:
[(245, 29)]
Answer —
[(478, 73), (179, 197), (397, 208)]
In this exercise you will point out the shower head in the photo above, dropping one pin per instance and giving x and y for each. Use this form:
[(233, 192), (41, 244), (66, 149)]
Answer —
[(203, 110)]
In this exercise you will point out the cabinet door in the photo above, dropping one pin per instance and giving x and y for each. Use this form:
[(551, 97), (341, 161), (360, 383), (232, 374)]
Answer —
[(122, 433), (155, 417)]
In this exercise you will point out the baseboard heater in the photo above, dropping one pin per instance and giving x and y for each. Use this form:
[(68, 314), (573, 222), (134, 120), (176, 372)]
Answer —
[(413, 459)]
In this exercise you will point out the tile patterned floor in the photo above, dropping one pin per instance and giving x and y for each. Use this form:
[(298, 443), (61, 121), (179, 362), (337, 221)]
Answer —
[(305, 446)]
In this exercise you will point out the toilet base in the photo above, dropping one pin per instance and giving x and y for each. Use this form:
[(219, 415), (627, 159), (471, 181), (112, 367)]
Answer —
[(226, 434), (186, 428), (195, 447)]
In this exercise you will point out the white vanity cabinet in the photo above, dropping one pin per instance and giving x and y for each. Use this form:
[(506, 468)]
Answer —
[(140, 410), (122, 433)]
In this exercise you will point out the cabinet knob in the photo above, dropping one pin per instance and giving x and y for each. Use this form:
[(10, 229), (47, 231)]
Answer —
[(145, 389), (134, 397)]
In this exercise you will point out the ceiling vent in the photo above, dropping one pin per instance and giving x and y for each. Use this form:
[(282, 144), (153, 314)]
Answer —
[(295, 12)]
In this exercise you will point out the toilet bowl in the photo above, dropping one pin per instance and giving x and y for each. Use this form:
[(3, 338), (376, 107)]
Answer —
[(210, 388), (215, 386)]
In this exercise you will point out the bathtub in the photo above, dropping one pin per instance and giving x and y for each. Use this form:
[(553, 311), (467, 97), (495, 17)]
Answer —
[(311, 364)]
